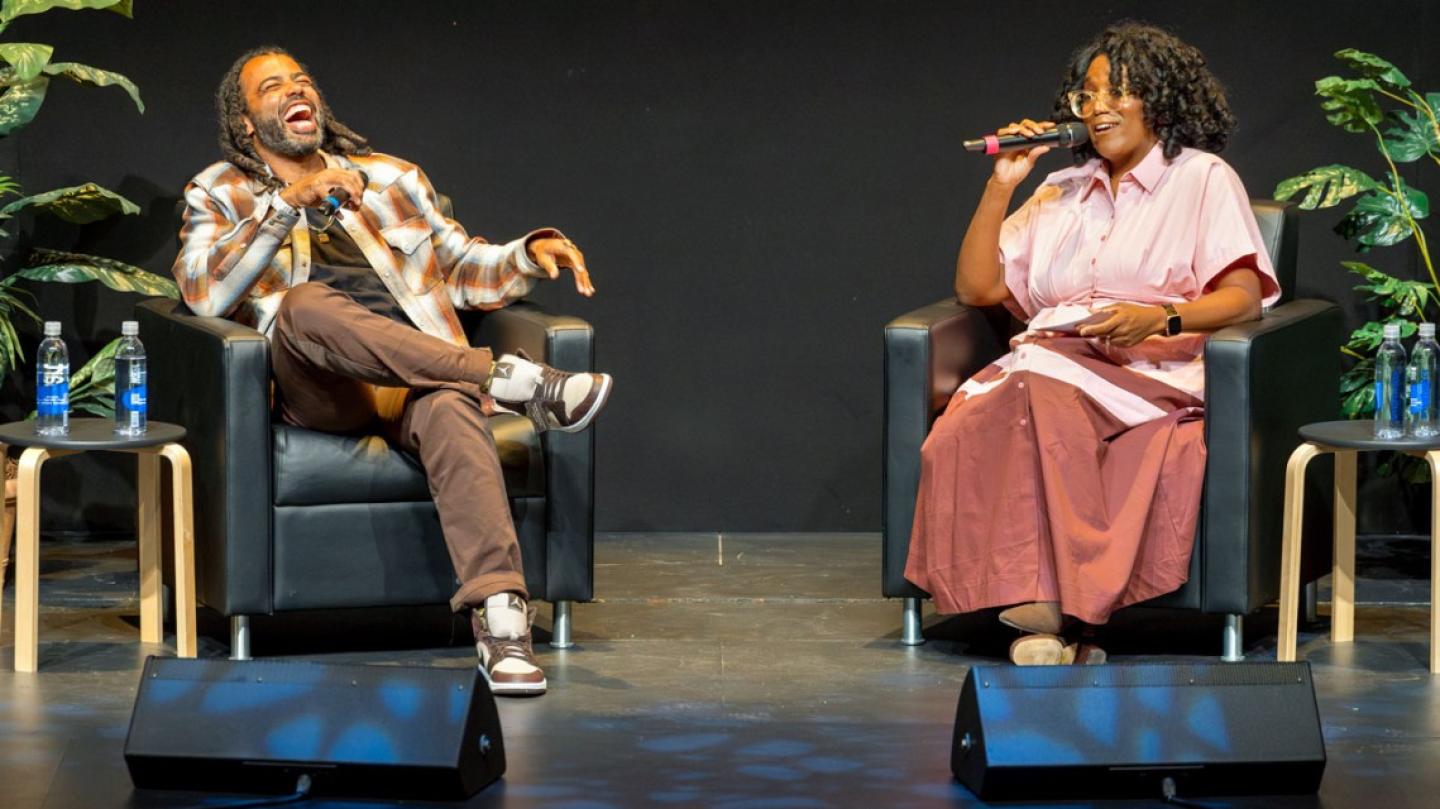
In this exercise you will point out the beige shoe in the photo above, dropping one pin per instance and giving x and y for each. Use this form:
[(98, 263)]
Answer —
[(1039, 617), (506, 657), (1050, 650)]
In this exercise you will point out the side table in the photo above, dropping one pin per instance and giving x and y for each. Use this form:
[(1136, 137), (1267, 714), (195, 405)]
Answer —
[(162, 439), (1345, 439)]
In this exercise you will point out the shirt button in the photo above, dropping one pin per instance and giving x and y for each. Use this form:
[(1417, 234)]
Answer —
[(1021, 385), (1104, 236), (1023, 422)]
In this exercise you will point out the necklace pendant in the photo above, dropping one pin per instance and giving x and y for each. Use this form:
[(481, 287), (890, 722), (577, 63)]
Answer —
[(322, 237)]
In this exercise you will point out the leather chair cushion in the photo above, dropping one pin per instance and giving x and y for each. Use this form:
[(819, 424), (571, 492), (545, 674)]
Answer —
[(313, 468)]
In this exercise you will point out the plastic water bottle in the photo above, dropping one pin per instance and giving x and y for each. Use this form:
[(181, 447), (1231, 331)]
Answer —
[(52, 384), (1420, 385), (1389, 385), (130, 379)]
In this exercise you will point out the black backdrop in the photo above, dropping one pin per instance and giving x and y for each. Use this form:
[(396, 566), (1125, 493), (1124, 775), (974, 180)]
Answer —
[(759, 186)]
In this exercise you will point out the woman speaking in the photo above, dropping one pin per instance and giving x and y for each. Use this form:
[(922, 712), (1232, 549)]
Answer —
[(1063, 481)]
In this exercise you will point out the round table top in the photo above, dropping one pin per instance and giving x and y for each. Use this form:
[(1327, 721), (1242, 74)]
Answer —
[(88, 434), (1360, 434)]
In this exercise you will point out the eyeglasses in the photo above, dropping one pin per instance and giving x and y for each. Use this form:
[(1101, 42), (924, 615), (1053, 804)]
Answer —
[(1082, 102)]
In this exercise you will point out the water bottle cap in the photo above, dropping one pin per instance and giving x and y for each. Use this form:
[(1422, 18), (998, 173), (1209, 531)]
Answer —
[(52, 328), (1391, 331), (129, 328), (1427, 329)]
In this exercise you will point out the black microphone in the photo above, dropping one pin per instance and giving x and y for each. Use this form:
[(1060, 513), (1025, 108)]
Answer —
[(338, 197), (1069, 134)]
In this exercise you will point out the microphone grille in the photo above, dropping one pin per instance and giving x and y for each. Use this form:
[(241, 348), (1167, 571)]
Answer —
[(1073, 134)]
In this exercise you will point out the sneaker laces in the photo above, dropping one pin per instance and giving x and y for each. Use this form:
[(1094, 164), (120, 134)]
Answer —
[(550, 389)]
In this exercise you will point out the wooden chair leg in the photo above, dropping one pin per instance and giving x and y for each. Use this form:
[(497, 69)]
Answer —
[(184, 520), (7, 530), (1342, 580), (147, 531), (27, 559), (1434, 458), (1290, 549)]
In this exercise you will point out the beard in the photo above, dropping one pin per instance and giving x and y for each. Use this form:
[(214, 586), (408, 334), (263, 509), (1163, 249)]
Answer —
[(274, 135)]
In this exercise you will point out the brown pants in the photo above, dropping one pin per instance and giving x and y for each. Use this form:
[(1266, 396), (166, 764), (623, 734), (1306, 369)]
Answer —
[(340, 368)]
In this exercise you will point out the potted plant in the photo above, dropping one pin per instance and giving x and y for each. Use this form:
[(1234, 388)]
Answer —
[(26, 70), (1379, 102)]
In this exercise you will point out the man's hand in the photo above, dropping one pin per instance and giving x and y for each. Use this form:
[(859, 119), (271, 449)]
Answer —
[(1128, 324), (312, 189), (552, 254)]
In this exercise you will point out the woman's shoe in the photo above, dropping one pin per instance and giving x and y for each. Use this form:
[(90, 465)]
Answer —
[(1039, 617), (1038, 650)]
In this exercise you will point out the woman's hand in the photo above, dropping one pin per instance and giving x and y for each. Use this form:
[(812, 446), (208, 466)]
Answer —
[(1128, 324), (1012, 167)]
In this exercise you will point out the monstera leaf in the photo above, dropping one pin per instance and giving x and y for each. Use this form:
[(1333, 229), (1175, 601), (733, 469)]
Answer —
[(77, 268), (1351, 103), (1373, 67), (81, 204), (1406, 299), (1415, 134), (85, 74), (26, 58), (1326, 186), (1379, 218), (11, 9)]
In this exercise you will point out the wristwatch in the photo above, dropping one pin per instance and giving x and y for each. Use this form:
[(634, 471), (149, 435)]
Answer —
[(1172, 319)]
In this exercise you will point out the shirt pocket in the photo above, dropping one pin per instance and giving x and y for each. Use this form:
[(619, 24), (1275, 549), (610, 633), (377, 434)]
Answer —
[(411, 239)]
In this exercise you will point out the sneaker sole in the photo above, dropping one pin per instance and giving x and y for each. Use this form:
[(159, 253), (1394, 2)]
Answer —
[(513, 689), (606, 383)]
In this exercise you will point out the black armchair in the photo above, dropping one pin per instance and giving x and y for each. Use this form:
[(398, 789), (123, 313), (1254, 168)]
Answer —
[(1263, 380), (288, 519)]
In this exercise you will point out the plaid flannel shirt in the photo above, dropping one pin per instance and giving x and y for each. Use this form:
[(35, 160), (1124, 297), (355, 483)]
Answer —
[(242, 247)]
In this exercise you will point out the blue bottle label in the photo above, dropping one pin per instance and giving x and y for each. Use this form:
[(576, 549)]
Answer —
[(52, 390), (1420, 397), (1397, 402)]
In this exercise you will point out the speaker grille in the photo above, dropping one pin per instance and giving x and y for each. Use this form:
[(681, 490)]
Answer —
[(1145, 675)]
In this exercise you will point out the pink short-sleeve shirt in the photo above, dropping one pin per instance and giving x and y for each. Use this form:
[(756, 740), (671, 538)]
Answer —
[(1165, 237)]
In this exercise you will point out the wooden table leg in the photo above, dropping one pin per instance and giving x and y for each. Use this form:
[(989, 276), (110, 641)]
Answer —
[(27, 559), (184, 521), (1342, 580), (1290, 549), (147, 532), (7, 530), (1434, 458)]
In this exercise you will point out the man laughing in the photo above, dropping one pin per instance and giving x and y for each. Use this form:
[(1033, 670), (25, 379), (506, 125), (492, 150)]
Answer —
[(359, 304)]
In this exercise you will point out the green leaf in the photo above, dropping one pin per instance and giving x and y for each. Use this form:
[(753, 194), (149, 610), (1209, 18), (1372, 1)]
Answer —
[(1326, 186), (1368, 337), (94, 75), (74, 268), (20, 103), (1412, 137), (1351, 103), (81, 204), (19, 8), (27, 58), (1404, 299), (1378, 219), (1360, 403), (100, 370), (1372, 66)]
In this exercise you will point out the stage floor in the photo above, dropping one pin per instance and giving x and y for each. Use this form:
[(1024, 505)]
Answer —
[(726, 671)]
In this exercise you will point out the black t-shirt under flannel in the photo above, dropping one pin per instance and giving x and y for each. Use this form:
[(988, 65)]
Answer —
[(337, 262)]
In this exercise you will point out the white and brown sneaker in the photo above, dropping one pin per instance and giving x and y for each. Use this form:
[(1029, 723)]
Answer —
[(502, 638), (554, 400)]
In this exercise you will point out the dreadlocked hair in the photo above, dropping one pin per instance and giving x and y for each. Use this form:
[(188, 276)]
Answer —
[(238, 147), (1184, 103)]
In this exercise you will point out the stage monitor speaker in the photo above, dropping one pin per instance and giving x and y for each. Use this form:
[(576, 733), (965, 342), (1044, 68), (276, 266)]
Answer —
[(366, 731), (1138, 730)]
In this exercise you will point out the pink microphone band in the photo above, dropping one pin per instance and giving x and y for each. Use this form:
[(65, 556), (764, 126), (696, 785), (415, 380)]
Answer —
[(992, 144)]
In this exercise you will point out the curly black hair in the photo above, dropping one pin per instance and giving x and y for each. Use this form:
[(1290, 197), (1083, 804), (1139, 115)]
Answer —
[(238, 147), (1184, 103)]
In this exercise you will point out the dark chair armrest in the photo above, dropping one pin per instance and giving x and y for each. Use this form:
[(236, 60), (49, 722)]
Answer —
[(567, 343), (928, 353), (1263, 380), (212, 376)]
